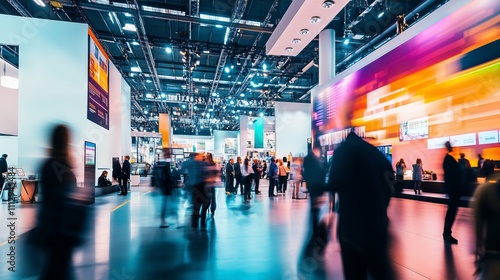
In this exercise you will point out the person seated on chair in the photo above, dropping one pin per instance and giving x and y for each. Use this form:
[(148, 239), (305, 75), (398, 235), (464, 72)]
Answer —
[(103, 180)]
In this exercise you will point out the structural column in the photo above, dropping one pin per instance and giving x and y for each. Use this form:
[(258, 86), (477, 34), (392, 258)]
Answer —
[(326, 55)]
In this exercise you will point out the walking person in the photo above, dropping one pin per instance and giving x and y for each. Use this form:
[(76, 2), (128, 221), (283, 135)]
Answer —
[(273, 177), (486, 210), (453, 186), (125, 176), (62, 217), (212, 175), (264, 169), (257, 170), (400, 172), (247, 178), (197, 171), (237, 176), (3, 169), (281, 176), (314, 175), (296, 177), (363, 223), (418, 172), (230, 177), (162, 180)]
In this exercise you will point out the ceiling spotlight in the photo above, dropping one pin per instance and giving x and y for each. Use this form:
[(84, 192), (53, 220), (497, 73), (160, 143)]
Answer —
[(346, 41), (183, 52), (328, 4), (296, 41), (380, 14), (40, 3), (304, 31), (242, 95), (315, 19), (226, 69), (289, 49), (168, 49)]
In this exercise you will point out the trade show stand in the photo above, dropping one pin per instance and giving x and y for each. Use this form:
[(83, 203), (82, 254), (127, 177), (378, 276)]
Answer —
[(433, 191)]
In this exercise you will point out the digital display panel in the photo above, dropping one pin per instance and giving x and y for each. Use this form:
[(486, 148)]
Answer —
[(448, 75), (415, 129), (89, 153), (98, 84)]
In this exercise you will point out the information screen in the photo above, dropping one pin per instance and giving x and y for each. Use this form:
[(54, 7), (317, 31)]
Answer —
[(98, 84), (89, 153)]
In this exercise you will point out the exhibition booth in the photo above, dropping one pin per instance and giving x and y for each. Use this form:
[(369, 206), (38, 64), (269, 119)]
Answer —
[(70, 82), (438, 81)]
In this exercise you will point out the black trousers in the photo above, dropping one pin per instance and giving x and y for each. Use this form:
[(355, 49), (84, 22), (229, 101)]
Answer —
[(239, 182), (272, 183), (357, 261), (282, 184), (451, 213), (247, 182), (213, 201), (124, 185), (201, 201), (257, 182), (229, 184)]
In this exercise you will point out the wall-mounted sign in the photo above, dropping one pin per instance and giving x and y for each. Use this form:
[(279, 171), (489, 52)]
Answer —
[(488, 137), (463, 140), (414, 129), (437, 143)]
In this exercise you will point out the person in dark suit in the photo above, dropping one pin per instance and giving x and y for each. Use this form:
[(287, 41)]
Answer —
[(237, 175), (453, 181), (257, 170), (162, 180), (230, 177), (3, 169), (103, 180), (61, 217), (364, 195), (125, 176), (117, 170)]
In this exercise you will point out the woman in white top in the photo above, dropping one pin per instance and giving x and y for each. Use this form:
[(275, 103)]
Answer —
[(247, 176)]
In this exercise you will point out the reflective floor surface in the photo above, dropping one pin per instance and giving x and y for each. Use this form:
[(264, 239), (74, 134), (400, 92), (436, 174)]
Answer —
[(262, 239)]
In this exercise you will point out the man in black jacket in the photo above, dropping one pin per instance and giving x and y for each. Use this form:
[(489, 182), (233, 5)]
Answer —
[(230, 177), (237, 176), (3, 169), (314, 175), (362, 177), (452, 184), (125, 176)]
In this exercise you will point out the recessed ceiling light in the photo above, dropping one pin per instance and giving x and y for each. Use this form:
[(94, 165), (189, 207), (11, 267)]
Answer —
[(289, 49), (303, 31), (327, 4), (296, 41), (315, 19)]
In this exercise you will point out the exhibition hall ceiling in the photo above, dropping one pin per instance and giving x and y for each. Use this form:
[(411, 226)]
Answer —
[(204, 61)]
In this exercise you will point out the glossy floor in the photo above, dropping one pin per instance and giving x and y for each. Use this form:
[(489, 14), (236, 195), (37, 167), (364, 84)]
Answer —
[(263, 239)]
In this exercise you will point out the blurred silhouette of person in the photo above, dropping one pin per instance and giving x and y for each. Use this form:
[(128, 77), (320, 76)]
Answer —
[(230, 177), (486, 209), (314, 174), (103, 180), (62, 216), (197, 171), (212, 176), (3, 169), (418, 171), (264, 169), (488, 168), (125, 176), (273, 177), (453, 187), (479, 169), (296, 176), (364, 196), (163, 181), (400, 172), (117, 170), (281, 176), (468, 175)]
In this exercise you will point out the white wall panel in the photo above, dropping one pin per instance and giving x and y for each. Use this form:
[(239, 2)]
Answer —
[(293, 127)]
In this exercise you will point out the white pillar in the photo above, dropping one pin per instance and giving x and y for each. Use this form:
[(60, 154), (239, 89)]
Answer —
[(326, 55)]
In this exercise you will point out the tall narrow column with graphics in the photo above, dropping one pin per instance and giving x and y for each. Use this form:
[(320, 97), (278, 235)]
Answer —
[(164, 128)]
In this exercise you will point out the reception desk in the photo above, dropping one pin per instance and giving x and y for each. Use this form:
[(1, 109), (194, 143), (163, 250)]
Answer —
[(435, 186), (29, 190)]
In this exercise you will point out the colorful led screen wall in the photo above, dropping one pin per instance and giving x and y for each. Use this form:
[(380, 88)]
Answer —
[(447, 75), (98, 87)]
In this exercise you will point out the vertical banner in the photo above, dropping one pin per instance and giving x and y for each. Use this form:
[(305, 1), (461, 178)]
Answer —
[(164, 129), (258, 127)]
